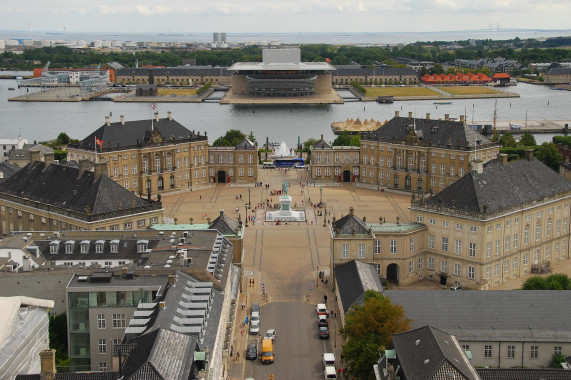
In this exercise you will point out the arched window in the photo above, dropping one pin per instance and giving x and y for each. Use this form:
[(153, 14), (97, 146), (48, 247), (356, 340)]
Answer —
[(407, 182), (172, 181), (169, 162), (148, 185), (160, 183), (157, 163), (145, 165)]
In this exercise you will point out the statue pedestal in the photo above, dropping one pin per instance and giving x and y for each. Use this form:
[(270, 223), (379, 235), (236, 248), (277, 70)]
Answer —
[(285, 214), (285, 201)]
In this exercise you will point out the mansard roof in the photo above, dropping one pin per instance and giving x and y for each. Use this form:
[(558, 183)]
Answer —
[(139, 132), (447, 133), (501, 187), (63, 187)]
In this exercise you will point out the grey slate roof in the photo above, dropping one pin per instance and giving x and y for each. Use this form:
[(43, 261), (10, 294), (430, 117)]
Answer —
[(75, 376), (353, 279), (162, 355), (61, 186), (127, 249), (225, 225), (175, 71), (7, 170), (246, 145), (350, 224), (523, 315), (24, 153), (448, 133), (137, 133), (357, 70), (321, 144), (559, 71), (429, 353), (523, 374), (501, 187)]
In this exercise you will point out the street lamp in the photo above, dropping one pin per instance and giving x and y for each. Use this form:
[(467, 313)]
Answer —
[(320, 195), (246, 208), (317, 277), (249, 203)]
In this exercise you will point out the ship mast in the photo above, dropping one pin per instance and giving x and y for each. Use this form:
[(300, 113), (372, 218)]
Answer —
[(495, 113)]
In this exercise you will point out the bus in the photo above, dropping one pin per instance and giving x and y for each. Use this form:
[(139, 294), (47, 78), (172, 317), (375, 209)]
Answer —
[(288, 162)]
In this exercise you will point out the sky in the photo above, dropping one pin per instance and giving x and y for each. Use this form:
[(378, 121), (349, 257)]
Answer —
[(281, 16)]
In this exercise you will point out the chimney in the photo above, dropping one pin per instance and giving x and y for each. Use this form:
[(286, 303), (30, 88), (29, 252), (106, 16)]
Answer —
[(156, 116), (427, 116), (132, 203), (351, 211), (529, 154), (478, 166), (122, 120), (49, 159), (171, 279), (48, 364), (107, 122), (35, 156), (99, 170), (446, 116), (503, 158), (321, 137), (461, 118), (170, 115), (410, 115), (119, 206), (84, 165), (396, 113), (221, 213)]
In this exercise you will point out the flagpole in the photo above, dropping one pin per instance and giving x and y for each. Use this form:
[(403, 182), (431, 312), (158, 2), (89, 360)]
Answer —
[(95, 146)]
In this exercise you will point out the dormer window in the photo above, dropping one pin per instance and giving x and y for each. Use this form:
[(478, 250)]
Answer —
[(99, 246), (54, 246), (85, 246), (69, 246), (114, 246), (142, 246)]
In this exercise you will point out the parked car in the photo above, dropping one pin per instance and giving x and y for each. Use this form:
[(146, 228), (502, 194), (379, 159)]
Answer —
[(256, 308), (330, 372), (270, 334), (328, 359), (254, 327), (322, 321), (255, 317), (323, 333), (456, 287), (321, 309), (252, 351)]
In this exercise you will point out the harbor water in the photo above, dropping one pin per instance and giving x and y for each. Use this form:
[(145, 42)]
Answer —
[(42, 121)]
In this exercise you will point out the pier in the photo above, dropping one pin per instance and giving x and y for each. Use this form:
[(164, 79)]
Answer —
[(521, 126)]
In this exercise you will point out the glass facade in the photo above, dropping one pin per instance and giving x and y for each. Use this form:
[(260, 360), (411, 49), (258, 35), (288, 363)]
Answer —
[(79, 304), (281, 83)]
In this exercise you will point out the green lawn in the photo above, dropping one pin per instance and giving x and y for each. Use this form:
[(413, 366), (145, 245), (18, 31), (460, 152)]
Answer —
[(400, 91), (467, 90)]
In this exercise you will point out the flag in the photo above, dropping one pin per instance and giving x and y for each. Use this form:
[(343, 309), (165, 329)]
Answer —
[(154, 107), (99, 142)]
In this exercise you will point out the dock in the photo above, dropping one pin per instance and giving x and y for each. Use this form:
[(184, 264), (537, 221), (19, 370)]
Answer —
[(521, 126)]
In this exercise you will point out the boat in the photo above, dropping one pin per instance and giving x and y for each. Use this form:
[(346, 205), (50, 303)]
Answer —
[(353, 127), (385, 99), (440, 102), (11, 88)]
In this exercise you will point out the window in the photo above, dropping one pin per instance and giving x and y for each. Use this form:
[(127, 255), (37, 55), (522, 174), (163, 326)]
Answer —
[(445, 244), (361, 251), (471, 273), (377, 247), (558, 227), (538, 231), (377, 268), (393, 247), (444, 266), (549, 227), (506, 265), (345, 251), (412, 244), (507, 244), (488, 351), (118, 321), (526, 236), (442, 169), (419, 219), (411, 266), (508, 223), (100, 321), (126, 169), (432, 221), (498, 226), (516, 236), (557, 350), (489, 228), (525, 259), (459, 226), (102, 367), (534, 352), (472, 250), (102, 346), (420, 263), (444, 223), (497, 269), (458, 247), (431, 241), (514, 264), (457, 269), (488, 270), (498, 247), (511, 352), (430, 263), (489, 250)]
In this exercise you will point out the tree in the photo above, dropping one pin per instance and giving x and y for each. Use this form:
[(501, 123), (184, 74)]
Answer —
[(437, 69), (527, 139), (368, 330), (556, 281), (58, 339), (232, 138), (557, 359), (63, 139), (251, 137), (549, 155), (345, 139), (308, 144), (507, 140)]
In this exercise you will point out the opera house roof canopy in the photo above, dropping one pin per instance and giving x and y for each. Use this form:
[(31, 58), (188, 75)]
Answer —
[(281, 60)]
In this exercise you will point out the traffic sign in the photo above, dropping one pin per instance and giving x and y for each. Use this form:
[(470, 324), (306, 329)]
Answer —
[(311, 286)]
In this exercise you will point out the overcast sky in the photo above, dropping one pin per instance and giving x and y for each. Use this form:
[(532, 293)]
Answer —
[(281, 16)]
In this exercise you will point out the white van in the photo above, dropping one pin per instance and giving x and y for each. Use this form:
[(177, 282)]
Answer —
[(268, 165), (330, 372), (328, 359)]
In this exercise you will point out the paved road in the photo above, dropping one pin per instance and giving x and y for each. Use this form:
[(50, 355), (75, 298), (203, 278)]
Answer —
[(298, 348)]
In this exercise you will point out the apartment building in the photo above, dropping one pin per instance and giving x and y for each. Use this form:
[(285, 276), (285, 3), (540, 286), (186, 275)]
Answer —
[(334, 163), (233, 164)]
